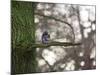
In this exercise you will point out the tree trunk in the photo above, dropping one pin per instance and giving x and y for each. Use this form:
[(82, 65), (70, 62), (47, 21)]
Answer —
[(22, 33)]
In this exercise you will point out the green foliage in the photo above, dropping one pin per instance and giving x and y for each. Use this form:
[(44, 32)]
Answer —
[(23, 34)]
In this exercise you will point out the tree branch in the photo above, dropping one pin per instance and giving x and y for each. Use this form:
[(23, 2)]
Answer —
[(41, 45)]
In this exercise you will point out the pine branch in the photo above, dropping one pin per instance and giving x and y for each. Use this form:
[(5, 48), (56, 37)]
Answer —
[(41, 45)]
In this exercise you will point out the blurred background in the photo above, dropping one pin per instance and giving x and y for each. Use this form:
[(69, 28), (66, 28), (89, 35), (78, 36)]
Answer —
[(66, 23)]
